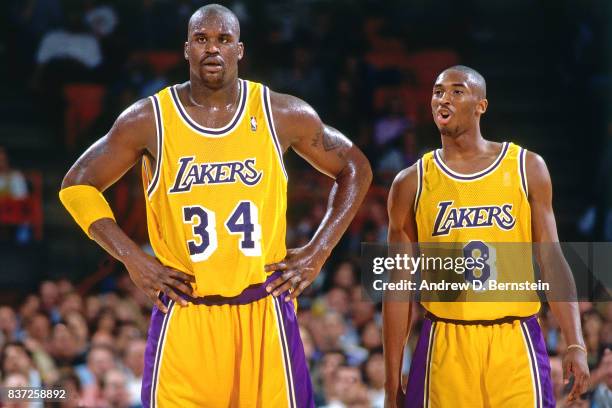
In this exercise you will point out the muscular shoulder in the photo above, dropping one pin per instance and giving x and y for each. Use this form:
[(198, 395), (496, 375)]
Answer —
[(404, 187), (136, 126), (137, 116), (538, 177), (293, 118)]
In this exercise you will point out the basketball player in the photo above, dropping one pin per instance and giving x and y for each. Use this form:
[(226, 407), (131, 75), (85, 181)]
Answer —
[(475, 354), (223, 331)]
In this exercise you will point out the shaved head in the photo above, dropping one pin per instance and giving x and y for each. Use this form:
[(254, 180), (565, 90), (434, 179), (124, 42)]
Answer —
[(215, 10), (473, 77)]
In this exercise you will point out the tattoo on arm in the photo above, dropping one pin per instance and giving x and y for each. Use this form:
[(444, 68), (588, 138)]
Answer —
[(316, 138), (330, 141)]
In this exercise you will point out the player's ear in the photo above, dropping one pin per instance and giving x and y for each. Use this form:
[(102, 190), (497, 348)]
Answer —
[(482, 106), (186, 50), (240, 50)]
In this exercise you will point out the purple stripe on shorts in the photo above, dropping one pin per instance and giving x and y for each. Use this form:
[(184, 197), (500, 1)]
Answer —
[(156, 334), (418, 368), (532, 362), (249, 295), (542, 362), (304, 397)]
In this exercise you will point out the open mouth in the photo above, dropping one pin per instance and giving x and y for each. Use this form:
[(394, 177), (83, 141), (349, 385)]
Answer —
[(443, 116)]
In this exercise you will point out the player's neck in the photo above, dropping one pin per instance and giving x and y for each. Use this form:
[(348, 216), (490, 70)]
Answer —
[(201, 95), (466, 143)]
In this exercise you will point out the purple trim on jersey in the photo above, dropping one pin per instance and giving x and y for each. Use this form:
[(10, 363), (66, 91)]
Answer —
[(295, 357), (249, 295), (155, 338), (270, 120), (420, 183), (457, 176), (541, 361), (210, 131), (415, 390), (160, 144), (522, 169)]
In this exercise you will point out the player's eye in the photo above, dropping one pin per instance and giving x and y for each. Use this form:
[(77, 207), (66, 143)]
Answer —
[(224, 40), (457, 92), (438, 92), (201, 39)]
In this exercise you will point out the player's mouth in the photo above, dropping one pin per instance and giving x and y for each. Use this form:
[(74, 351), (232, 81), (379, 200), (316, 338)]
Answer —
[(443, 116), (212, 65)]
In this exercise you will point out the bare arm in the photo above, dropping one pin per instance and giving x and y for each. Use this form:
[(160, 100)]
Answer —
[(397, 315), (552, 263), (333, 154), (132, 136)]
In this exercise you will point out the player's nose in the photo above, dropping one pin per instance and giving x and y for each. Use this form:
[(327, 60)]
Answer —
[(211, 48)]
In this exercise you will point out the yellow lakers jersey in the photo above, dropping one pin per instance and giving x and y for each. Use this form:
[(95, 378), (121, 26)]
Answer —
[(216, 199), (482, 215)]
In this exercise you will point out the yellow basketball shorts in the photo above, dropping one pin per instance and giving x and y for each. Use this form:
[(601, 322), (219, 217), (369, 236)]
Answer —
[(220, 352), (480, 365)]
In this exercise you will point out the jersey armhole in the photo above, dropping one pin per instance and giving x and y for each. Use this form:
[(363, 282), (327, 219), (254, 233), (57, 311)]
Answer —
[(265, 94), (419, 184), (160, 144), (522, 172)]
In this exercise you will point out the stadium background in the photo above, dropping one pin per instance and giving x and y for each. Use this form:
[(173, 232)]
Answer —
[(70, 314)]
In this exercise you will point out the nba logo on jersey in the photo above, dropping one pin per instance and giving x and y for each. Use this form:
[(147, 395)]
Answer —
[(253, 124)]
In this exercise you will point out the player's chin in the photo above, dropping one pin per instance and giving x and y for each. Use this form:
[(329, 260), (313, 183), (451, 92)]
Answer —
[(212, 79)]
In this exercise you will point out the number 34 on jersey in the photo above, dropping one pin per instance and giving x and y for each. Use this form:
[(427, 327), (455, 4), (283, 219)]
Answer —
[(243, 221)]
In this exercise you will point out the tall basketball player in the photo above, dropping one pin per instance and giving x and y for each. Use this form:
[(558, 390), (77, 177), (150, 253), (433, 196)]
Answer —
[(223, 331), (475, 354)]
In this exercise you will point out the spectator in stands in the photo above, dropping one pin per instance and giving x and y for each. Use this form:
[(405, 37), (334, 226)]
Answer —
[(324, 377), (8, 325), (12, 181), (371, 337), (64, 348), (349, 389), (16, 380), (38, 328), (100, 360), (374, 369), (50, 299), (601, 381), (13, 186), (556, 375), (30, 306), (74, 45), (114, 389), (389, 130), (17, 359), (133, 360), (103, 339), (67, 54), (78, 327), (69, 381)]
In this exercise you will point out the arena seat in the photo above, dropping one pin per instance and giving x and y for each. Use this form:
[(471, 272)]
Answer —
[(84, 104)]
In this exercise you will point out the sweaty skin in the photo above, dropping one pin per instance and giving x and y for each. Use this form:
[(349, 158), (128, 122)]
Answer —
[(210, 96), (458, 101)]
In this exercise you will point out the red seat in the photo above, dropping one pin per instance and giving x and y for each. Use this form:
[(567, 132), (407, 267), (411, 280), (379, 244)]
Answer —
[(28, 210), (83, 106), (427, 64)]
